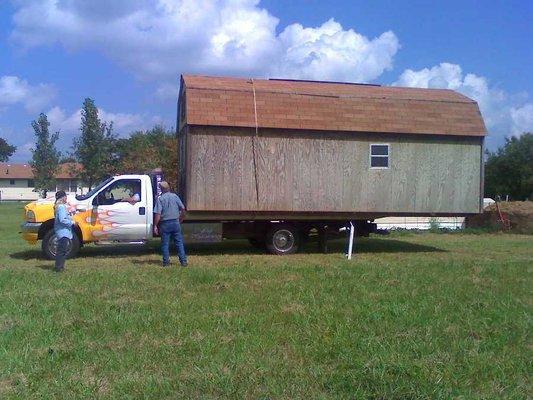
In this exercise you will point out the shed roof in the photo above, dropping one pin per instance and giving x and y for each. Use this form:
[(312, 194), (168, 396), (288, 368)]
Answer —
[(23, 171), (336, 106)]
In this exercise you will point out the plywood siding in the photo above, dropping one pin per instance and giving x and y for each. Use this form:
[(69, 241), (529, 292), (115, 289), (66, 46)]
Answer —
[(220, 172), (330, 172)]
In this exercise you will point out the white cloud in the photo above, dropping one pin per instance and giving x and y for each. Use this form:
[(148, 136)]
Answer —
[(19, 139), (330, 52), (60, 121), (14, 90), (159, 39), (69, 124), (522, 119), (504, 114), (122, 121), (22, 154), (167, 91)]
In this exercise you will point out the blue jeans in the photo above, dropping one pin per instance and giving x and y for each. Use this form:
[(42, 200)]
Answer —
[(61, 253), (172, 229)]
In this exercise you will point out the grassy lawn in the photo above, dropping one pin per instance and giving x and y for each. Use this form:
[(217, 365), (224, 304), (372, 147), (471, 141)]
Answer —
[(411, 316)]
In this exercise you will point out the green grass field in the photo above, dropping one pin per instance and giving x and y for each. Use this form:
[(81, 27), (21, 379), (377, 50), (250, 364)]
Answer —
[(435, 316)]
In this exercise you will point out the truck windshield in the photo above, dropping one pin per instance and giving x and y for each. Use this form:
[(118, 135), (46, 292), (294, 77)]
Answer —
[(94, 190)]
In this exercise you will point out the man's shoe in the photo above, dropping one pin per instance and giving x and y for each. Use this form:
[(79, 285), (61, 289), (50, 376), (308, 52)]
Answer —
[(59, 269), (183, 264), (166, 265)]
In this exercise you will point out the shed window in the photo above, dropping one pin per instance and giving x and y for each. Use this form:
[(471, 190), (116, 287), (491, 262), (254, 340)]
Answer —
[(379, 156), (31, 183), (11, 181)]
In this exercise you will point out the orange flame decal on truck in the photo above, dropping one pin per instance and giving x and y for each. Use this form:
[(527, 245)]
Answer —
[(100, 224)]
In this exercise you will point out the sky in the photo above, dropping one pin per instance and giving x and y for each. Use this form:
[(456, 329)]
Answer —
[(128, 55)]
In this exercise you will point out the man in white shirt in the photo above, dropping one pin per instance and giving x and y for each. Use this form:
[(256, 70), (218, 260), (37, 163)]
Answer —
[(135, 194)]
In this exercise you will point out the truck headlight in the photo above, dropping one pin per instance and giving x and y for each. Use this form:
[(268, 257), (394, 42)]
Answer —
[(30, 216)]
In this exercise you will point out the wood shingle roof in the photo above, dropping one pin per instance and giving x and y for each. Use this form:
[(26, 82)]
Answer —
[(331, 106)]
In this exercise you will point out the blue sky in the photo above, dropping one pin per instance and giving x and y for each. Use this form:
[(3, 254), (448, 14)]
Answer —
[(128, 54)]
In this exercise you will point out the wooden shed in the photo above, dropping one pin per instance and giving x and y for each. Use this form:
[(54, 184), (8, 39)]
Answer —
[(256, 148)]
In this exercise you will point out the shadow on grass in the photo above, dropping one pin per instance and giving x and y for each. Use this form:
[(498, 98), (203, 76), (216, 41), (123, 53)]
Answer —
[(150, 261), (240, 247), (47, 267)]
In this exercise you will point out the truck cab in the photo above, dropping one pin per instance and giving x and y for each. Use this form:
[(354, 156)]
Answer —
[(118, 210)]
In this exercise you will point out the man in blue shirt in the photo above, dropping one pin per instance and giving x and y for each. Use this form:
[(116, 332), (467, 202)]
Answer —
[(167, 212), (63, 230)]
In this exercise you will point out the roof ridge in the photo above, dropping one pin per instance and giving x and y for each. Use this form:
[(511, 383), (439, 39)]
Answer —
[(342, 96)]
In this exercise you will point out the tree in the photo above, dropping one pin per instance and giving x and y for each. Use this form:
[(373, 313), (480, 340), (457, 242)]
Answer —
[(509, 170), (169, 162), (94, 149), (67, 159), (6, 150), (45, 156), (145, 150)]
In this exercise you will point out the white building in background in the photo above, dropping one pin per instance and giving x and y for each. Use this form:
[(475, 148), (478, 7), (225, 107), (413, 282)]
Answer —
[(17, 181), (422, 223)]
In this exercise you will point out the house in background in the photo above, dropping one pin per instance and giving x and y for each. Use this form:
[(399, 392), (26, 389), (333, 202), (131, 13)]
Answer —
[(17, 181)]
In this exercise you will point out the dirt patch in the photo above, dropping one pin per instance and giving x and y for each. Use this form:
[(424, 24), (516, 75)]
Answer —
[(89, 377), (293, 308), (221, 286), (227, 313), (5, 385), (197, 336), (9, 384), (6, 324), (519, 214)]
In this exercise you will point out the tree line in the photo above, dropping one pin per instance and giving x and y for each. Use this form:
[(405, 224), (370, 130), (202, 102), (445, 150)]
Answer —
[(509, 170), (100, 152)]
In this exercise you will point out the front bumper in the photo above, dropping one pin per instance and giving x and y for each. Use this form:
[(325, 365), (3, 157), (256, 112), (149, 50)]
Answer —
[(30, 231)]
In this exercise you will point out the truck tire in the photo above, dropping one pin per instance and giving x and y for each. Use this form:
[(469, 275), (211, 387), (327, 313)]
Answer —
[(49, 245), (283, 239)]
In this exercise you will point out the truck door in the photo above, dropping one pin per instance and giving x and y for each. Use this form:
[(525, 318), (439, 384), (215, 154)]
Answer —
[(119, 211)]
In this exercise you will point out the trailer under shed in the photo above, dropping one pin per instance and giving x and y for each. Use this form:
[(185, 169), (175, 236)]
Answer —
[(278, 149)]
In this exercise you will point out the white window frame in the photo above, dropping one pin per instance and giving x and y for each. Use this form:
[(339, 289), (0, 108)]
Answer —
[(381, 156)]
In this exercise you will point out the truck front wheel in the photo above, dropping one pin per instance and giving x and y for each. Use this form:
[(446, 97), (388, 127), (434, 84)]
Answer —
[(283, 239), (49, 245)]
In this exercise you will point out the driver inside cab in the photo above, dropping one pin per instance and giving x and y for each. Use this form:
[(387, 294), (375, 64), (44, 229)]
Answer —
[(134, 193), (129, 192)]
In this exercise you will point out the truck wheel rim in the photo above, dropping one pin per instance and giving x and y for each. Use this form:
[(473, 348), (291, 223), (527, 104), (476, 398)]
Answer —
[(283, 240), (52, 246)]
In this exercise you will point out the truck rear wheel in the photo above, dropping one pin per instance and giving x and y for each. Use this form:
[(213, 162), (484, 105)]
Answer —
[(283, 239), (49, 245)]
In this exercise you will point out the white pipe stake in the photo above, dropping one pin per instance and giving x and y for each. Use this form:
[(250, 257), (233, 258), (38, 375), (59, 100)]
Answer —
[(350, 243)]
